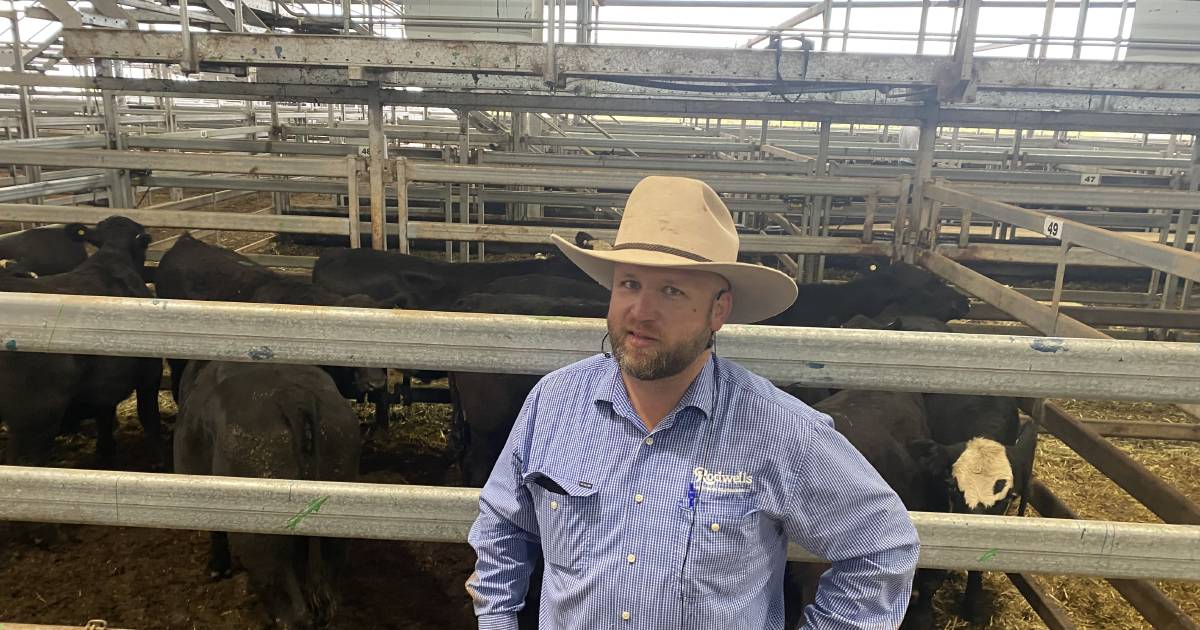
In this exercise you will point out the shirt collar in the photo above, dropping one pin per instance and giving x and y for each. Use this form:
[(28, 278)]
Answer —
[(699, 395)]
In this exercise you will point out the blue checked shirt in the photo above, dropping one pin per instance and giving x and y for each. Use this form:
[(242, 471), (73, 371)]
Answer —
[(627, 545)]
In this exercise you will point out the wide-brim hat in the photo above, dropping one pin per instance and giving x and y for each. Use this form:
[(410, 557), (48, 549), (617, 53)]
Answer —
[(681, 223)]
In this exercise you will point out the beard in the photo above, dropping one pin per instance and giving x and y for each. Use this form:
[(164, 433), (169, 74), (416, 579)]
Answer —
[(665, 361)]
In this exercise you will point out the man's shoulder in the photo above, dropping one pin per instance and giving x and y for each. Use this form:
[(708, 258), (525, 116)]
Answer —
[(580, 377), (758, 398)]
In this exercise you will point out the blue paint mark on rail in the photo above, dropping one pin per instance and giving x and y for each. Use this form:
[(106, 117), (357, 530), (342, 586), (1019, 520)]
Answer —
[(1050, 345), (815, 365), (261, 353), (11, 344)]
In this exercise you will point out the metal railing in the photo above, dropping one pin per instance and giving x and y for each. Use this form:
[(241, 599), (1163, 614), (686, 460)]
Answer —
[(437, 514)]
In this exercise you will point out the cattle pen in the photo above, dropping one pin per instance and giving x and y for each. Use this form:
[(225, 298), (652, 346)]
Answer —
[(1055, 182)]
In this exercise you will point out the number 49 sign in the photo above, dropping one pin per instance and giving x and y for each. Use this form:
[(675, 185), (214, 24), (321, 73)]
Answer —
[(1053, 227)]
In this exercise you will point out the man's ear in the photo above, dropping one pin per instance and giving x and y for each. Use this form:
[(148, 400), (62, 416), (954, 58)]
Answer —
[(722, 307)]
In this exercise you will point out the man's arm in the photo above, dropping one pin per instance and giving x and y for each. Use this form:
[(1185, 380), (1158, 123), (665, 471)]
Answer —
[(505, 536), (842, 510)]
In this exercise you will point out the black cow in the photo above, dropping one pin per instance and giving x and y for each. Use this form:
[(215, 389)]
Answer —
[(883, 426), (486, 405), (977, 449), (43, 394), (271, 421), (900, 286), (50, 249), (428, 284), (195, 270)]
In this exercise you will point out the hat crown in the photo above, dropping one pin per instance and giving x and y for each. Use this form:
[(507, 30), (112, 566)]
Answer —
[(680, 216)]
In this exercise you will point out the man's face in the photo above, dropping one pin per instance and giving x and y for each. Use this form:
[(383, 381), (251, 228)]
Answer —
[(660, 320)]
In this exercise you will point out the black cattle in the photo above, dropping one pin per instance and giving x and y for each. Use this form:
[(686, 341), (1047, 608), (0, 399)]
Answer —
[(428, 284), (486, 405), (977, 449), (44, 394), (273, 421), (900, 286), (50, 249), (194, 270), (882, 426)]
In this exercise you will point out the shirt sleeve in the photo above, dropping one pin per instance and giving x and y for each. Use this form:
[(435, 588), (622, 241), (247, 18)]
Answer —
[(841, 509), (505, 536)]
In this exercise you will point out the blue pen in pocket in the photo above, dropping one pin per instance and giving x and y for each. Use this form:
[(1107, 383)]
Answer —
[(691, 496)]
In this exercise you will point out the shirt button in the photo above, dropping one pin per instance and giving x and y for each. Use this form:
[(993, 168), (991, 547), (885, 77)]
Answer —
[(631, 558), (716, 527), (554, 505), (649, 441), (625, 615), (637, 498)]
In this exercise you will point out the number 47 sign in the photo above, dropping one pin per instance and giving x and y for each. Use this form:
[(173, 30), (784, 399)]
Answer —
[(1053, 227)]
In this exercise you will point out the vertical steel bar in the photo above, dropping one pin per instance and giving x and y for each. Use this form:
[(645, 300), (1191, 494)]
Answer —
[(378, 159), (868, 234), (352, 170), (1047, 21), (1077, 48), (464, 190), (846, 34), (188, 61), (923, 27), (1120, 38), (1060, 274), (400, 171)]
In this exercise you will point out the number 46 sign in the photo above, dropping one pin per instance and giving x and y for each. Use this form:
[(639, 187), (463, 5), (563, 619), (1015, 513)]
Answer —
[(1053, 227)]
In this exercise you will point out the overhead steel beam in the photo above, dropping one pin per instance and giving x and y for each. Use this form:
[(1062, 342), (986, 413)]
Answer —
[(809, 110), (589, 61), (141, 160)]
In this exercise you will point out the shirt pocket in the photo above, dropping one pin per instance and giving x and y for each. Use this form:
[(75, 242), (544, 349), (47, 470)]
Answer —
[(726, 544), (567, 515)]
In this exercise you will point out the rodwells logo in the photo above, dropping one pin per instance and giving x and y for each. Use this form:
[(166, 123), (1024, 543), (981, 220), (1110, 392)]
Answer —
[(721, 482)]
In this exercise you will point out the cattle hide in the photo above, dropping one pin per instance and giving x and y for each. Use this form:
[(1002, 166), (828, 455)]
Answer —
[(271, 421), (42, 395), (881, 426), (48, 250), (194, 270)]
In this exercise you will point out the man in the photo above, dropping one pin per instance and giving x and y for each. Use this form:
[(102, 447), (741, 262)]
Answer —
[(662, 484)]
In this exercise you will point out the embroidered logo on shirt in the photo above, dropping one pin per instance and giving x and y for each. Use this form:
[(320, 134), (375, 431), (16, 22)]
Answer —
[(721, 482)]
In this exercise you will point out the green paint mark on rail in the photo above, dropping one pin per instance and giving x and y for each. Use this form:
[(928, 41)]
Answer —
[(988, 555), (312, 508)]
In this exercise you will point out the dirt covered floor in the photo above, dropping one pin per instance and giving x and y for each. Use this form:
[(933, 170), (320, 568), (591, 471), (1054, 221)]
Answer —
[(144, 578), (140, 578)]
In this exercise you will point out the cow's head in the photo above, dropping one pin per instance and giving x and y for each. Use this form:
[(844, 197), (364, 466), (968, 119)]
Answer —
[(982, 476), (121, 233)]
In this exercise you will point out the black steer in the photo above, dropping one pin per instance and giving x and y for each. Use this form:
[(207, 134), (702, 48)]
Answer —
[(42, 395), (50, 249), (271, 421)]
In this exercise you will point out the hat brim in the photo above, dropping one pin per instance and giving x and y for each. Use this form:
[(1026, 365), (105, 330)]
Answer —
[(758, 292)]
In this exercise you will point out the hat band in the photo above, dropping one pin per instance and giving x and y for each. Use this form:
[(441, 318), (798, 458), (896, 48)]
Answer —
[(662, 249)]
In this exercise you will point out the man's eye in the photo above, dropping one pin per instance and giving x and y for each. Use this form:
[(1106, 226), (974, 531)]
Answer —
[(629, 284), (672, 291)]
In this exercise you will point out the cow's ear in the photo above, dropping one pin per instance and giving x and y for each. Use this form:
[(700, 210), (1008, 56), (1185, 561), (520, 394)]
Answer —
[(76, 231), (932, 458), (1021, 454), (142, 240)]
